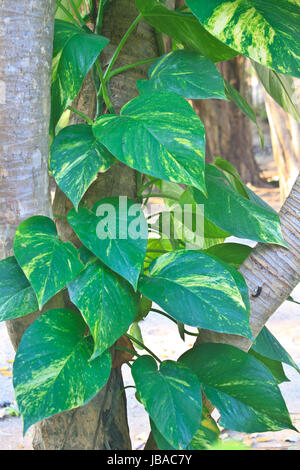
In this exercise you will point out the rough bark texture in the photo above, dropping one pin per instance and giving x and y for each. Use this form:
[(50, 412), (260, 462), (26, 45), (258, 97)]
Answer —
[(102, 424), (228, 130), (274, 269), (285, 136), (26, 35)]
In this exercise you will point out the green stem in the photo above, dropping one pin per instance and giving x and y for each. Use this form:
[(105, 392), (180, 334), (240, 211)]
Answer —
[(120, 46), (164, 314), (142, 346), (77, 14), (58, 216), (103, 88), (173, 320), (66, 12), (130, 66), (100, 17), (157, 251), (86, 118)]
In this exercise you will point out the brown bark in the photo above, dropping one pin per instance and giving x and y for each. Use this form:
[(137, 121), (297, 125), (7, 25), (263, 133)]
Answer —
[(228, 130), (285, 136)]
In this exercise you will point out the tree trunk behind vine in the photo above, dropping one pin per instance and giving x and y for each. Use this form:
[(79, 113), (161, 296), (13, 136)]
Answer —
[(228, 130), (285, 136)]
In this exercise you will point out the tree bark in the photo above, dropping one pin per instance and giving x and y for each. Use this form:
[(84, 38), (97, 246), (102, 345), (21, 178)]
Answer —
[(285, 136), (228, 130), (271, 269), (26, 35)]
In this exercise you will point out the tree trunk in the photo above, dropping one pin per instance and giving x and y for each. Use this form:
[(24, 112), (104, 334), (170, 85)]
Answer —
[(26, 32), (272, 270), (228, 130), (285, 136), (102, 424)]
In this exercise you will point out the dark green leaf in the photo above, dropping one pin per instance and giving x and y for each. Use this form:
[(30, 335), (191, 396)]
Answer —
[(268, 346), (106, 301), (110, 235), (266, 31), (281, 88), (234, 213), (48, 263), (52, 372), (244, 106), (205, 437), (244, 391), (232, 253), (75, 160), (275, 367), (171, 396), (184, 28), (199, 290), (17, 298), (158, 134), (186, 73), (74, 51)]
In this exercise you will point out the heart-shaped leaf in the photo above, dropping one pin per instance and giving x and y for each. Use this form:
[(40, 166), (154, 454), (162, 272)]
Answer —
[(48, 263), (171, 396), (52, 371), (74, 51), (118, 239), (267, 32), (186, 73), (199, 290), (75, 160), (17, 298), (107, 302), (242, 217), (244, 391), (158, 134), (268, 346), (185, 29)]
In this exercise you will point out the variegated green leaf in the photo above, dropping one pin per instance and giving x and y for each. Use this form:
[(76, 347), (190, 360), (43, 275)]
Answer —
[(199, 290), (107, 302), (158, 134), (17, 298), (185, 29), (268, 346), (60, 13), (275, 367), (244, 391), (74, 52), (231, 253), (48, 263), (171, 396), (205, 437), (75, 160), (242, 217), (117, 235), (52, 371), (281, 88), (189, 74), (266, 31)]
